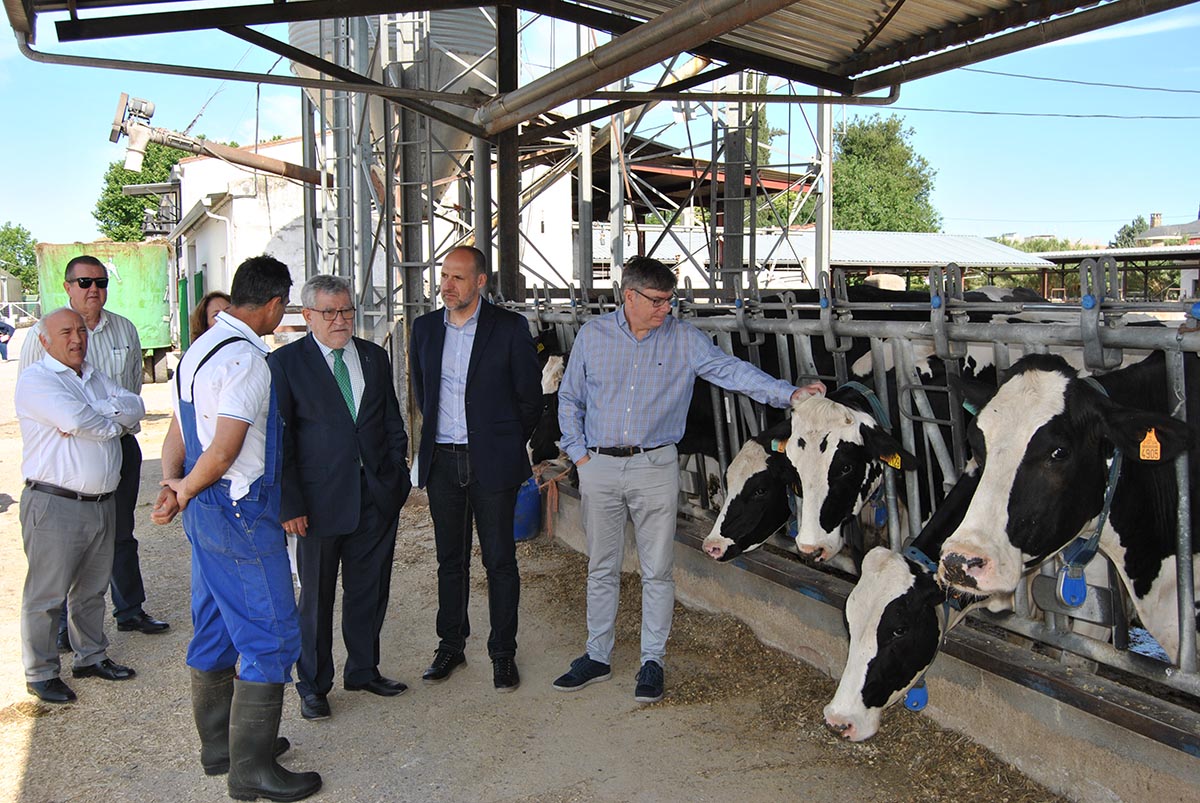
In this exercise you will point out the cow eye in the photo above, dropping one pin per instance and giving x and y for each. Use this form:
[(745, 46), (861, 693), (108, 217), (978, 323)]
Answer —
[(760, 492), (1060, 453), (900, 632), (844, 470)]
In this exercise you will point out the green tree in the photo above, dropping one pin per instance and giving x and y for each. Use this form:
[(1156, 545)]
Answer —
[(879, 182), (1041, 245), (119, 217), (18, 256), (1126, 236)]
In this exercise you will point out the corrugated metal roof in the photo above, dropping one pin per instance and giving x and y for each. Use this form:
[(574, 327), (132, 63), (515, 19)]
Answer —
[(908, 249)]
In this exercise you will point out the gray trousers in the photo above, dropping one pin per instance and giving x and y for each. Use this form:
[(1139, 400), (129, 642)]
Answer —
[(69, 549), (645, 489)]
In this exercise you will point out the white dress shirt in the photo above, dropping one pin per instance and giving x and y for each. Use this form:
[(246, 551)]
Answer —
[(114, 350), (353, 366), (235, 383), (71, 425), (456, 358)]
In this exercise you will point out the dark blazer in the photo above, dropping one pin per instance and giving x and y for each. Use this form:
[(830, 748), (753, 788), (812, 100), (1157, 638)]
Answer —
[(503, 394), (323, 446)]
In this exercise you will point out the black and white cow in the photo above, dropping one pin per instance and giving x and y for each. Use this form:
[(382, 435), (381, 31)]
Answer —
[(896, 617), (1044, 440), (758, 482)]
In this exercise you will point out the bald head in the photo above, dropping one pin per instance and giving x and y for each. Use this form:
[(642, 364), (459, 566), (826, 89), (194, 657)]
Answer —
[(64, 336)]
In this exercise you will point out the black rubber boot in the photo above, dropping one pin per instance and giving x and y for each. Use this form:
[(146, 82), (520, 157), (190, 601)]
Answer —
[(212, 694), (253, 728)]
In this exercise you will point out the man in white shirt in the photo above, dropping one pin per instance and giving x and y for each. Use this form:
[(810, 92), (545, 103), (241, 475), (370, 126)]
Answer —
[(72, 417), (222, 467), (115, 350)]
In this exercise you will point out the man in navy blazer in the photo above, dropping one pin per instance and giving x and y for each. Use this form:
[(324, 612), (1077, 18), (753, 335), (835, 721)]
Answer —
[(475, 375), (345, 478)]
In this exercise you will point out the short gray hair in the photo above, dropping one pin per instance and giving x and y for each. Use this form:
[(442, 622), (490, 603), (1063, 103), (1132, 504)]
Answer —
[(324, 283), (646, 273)]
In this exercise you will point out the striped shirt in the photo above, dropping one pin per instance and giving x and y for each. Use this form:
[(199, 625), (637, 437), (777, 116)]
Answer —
[(619, 391), (113, 348)]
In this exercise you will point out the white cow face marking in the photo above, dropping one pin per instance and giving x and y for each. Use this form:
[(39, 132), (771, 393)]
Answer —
[(552, 373), (757, 484), (980, 558)]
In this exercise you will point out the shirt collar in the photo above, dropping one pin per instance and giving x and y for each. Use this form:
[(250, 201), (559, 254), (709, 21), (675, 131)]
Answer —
[(58, 367), (223, 318), (474, 319), (326, 350)]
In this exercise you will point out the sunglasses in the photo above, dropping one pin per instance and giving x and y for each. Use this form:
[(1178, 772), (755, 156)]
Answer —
[(86, 281)]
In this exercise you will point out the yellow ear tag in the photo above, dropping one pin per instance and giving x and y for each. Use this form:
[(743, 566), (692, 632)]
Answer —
[(778, 445), (541, 347), (1150, 449), (892, 460)]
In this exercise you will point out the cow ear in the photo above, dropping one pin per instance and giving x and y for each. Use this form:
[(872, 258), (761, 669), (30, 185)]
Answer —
[(883, 446), (975, 394), (1146, 436)]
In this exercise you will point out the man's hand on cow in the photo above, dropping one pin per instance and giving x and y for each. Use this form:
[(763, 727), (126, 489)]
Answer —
[(297, 526), (811, 389), (166, 507)]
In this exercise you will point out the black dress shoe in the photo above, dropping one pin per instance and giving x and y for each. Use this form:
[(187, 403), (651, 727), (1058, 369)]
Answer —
[(314, 706), (505, 676), (143, 623), (444, 662), (106, 670), (64, 642), (50, 691), (382, 686)]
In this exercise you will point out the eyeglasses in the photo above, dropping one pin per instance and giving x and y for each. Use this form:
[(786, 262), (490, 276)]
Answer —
[(86, 281), (347, 313), (657, 303)]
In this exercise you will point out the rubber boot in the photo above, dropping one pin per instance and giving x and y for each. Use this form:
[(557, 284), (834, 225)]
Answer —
[(212, 694), (253, 728)]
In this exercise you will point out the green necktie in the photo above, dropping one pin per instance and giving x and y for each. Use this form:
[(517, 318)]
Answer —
[(342, 374)]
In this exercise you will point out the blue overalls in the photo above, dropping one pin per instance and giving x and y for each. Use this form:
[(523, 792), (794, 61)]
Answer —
[(242, 597)]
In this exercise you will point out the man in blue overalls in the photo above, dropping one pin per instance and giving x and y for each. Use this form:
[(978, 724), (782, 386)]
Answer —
[(221, 464)]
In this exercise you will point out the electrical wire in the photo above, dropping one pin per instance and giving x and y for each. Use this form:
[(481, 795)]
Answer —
[(1081, 83), (1098, 116)]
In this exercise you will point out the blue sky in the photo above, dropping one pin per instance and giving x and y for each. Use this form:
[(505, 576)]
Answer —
[(1075, 178)]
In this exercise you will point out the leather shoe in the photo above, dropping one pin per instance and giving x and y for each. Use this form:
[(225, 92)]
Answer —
[(314, 706), (50, 691), (505, 676), (143, 623), (105, 670), (64, 642), (444, 662), (380, 685)]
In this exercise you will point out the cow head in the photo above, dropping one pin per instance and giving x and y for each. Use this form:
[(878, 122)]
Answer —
[(895, 629), (757, 485), (1043, 439), (543, 443), (838, 452)]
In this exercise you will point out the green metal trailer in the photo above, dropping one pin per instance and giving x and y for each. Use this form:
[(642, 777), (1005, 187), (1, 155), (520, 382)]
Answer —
[(139, 289)]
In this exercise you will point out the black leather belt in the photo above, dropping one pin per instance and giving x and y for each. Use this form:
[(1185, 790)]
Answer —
[(453, 447), (65, 493), (624, 451)]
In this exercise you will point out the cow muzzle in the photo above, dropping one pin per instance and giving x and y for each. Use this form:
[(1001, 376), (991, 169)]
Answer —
[(715, 546), (847, 728)]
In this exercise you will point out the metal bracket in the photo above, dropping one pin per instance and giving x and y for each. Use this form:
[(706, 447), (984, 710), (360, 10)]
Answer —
[(744, 334), (1097, 283), (944, 284), (828, 301)]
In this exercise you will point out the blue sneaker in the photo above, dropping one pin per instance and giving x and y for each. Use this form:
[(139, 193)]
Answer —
[(649, 683), (583, 672)]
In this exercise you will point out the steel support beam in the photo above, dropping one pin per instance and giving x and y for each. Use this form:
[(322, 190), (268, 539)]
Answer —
[(508, 171), (677, 30)]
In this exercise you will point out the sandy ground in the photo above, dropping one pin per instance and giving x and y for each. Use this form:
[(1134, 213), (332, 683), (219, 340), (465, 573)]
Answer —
[(740, 722)]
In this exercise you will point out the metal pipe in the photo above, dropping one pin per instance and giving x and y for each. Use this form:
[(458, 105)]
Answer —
[(587, 259), (1186, 591), (681, 28), (481, 173), (892, 96)]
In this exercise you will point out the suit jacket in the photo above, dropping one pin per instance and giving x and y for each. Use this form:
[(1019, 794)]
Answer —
[(323, 446), (503, 394)]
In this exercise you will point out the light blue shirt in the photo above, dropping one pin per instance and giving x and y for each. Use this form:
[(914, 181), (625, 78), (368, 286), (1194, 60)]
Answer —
[(452, 398), (619, 391)]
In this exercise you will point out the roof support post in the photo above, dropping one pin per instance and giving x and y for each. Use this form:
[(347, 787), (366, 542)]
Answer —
[(508, 170), (683, 27)]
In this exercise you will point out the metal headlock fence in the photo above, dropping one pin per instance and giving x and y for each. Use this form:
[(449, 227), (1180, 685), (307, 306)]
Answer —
[(795, 335)]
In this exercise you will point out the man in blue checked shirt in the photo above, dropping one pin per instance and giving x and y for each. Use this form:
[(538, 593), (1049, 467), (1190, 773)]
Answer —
[(622, 407)]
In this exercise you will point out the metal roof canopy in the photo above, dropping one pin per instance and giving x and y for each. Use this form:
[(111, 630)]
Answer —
[(850, 47)]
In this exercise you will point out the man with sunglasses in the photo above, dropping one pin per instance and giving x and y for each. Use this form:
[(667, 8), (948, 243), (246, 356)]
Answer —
[(622, 407), (345, 478), (115, 350)]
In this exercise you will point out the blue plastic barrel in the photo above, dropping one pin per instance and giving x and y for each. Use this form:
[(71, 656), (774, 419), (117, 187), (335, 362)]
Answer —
[(527, 516)]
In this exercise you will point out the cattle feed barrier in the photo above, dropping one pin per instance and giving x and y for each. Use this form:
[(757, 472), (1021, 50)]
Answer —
[(795, 335)]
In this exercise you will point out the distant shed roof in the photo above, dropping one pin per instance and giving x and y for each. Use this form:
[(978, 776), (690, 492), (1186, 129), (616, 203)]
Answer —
[(918, 250)]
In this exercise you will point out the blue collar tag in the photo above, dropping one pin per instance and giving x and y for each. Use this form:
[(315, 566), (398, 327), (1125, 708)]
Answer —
[(917, 697)]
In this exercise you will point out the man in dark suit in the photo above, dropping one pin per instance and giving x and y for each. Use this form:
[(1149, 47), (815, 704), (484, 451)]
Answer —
[(475, 374), (345, 478)]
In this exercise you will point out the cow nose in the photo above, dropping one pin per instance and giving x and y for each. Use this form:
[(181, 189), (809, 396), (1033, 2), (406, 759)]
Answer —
[(714, 549), (817, 553), (959, 569), (845, 729)]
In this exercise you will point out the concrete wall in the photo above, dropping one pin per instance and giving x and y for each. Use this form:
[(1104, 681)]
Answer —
[(1075, 754)]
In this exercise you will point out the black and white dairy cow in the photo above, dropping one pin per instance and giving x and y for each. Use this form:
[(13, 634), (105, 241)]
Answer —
[(896, 617), (1044, 440)]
